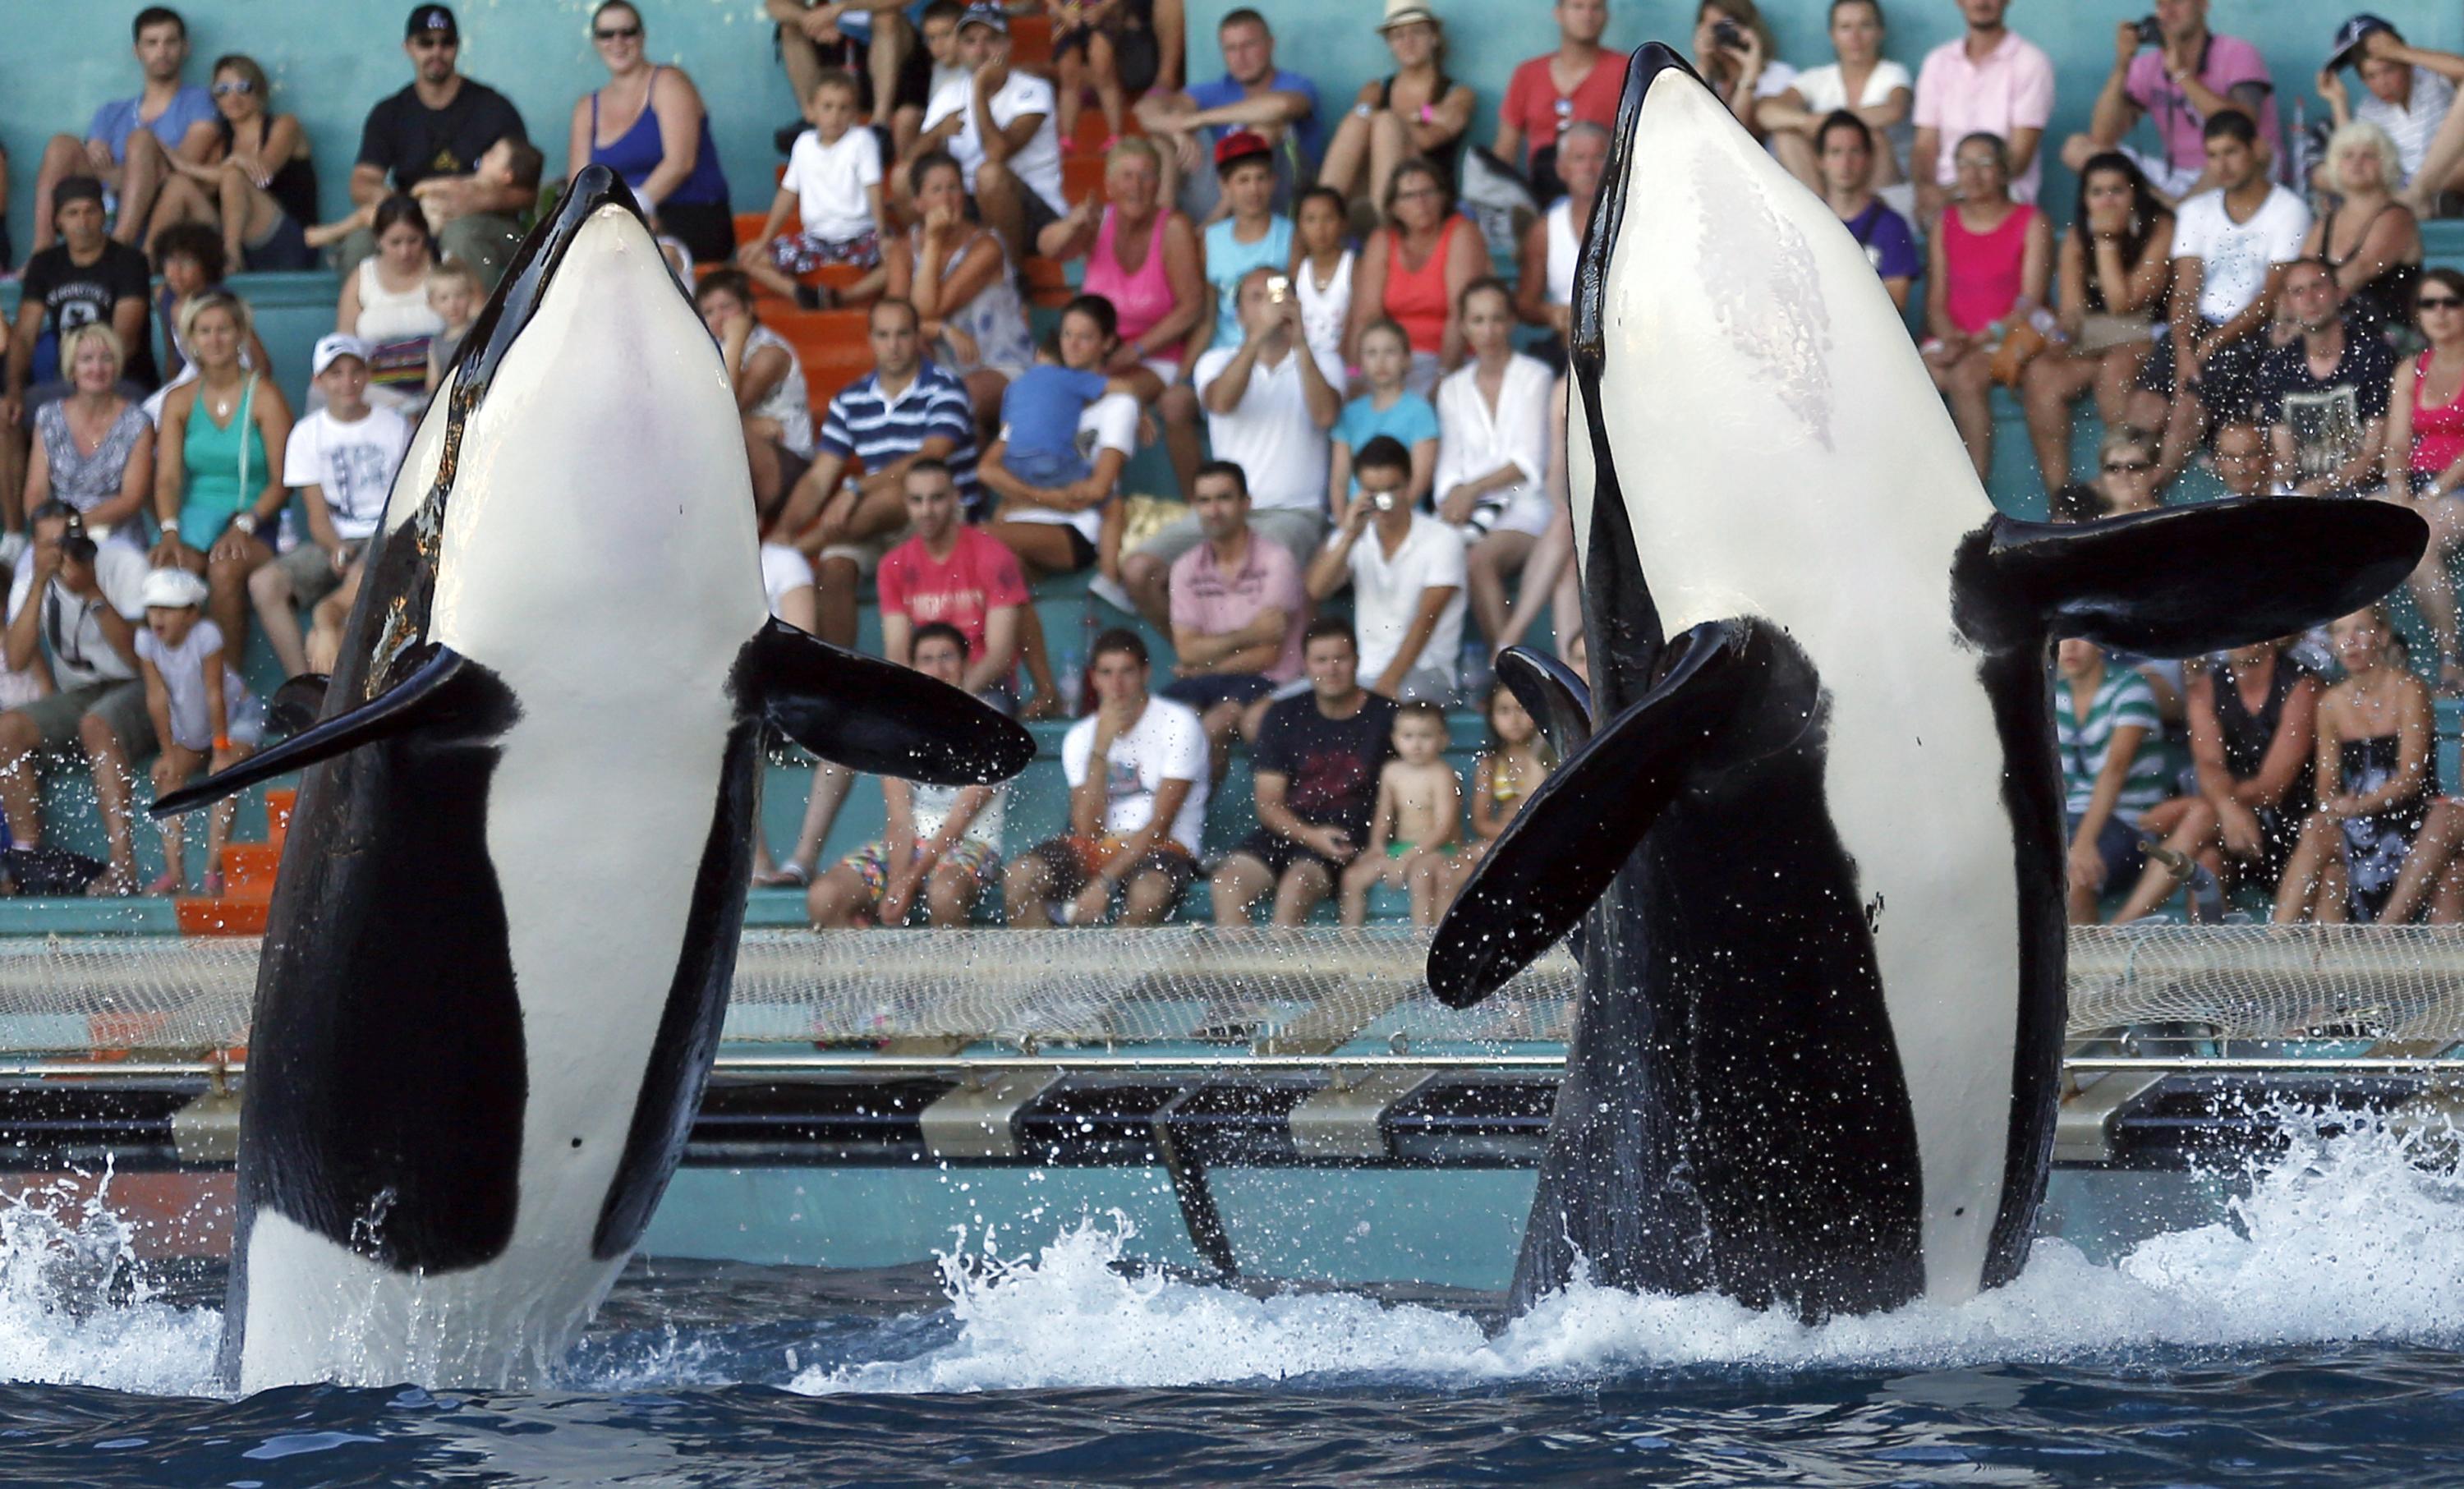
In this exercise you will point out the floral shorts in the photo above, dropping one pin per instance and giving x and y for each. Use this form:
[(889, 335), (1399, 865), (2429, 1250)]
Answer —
[(872, 863), (803, 253)]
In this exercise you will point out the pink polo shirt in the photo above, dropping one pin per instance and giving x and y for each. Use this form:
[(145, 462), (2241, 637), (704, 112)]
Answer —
[(1207, 601), (2179, 126), (2011, 89)]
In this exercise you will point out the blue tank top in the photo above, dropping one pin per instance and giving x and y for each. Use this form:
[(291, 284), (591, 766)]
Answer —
[(637, 152)]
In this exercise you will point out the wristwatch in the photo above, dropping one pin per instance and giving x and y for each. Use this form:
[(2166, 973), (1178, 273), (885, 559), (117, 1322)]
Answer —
[(246, 523), (170, 526)]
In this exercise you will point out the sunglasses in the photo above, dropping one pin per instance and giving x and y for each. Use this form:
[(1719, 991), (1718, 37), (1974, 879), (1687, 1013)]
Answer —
[(619, 32), (237, 85), (2128, 467), (2438, 303)]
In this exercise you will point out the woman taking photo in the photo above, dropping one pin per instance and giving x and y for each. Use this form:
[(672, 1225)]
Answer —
[(385, 303), (1734, 52), (646, 123), (1414, 270), (2371, 240), (257, 186), (215, 485), (94, 449), (957, 274), (2425, 455), (1990, 263), (1417, 110), (2115, 265)]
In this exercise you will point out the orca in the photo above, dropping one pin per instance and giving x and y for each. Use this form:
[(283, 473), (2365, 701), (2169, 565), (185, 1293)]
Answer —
[(500, 941), (1810, 818)]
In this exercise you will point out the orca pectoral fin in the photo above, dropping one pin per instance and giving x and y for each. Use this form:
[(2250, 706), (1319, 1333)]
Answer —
[(2206, 578), (874, 715), (1557, 700), (1578, 829), (401, 707)]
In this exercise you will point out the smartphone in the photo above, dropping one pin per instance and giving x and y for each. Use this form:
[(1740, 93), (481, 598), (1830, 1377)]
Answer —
[(1279, 288), (1383, 501)]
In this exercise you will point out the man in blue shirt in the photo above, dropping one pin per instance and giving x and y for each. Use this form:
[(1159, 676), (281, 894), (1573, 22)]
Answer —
[(129, 145), (1254, 94), (1846, 149)]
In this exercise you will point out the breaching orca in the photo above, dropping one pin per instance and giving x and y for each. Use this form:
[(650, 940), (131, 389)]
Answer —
[(1810, 806), (500, 944)]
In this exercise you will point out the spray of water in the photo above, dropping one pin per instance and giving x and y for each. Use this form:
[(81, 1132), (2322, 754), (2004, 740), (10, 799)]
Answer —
[(76, 1309)]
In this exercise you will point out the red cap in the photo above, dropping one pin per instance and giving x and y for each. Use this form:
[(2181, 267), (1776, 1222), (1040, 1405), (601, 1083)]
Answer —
[(1239, 145)]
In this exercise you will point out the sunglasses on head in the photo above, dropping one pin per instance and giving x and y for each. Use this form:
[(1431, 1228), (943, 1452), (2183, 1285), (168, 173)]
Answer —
[(618, 32), (238, 85)]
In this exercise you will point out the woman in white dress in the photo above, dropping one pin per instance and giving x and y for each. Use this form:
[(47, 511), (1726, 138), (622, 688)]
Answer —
[(1867, 84), (1494, 450)]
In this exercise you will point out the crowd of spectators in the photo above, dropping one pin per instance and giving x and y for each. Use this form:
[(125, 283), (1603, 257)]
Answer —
[(1288, 296)]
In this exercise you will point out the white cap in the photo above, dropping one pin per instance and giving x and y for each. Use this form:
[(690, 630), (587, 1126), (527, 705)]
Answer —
[(172, 589), (333, 344)]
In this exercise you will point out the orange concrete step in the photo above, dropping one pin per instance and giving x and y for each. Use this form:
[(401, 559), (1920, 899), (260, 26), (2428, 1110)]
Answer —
[(278, 805), (249, 869), (223, 917), (1030, 41)]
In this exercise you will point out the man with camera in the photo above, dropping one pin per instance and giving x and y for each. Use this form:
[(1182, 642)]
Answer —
[(1407, 584), (1992, 80), (84, 603), (2170, 70)]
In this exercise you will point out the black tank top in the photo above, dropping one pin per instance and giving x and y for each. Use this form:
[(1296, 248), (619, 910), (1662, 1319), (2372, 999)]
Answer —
[(2247, 734), (293, 186)]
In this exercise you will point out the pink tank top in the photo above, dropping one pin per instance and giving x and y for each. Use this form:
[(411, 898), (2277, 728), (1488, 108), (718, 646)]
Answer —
[(1417, 301), (1985, 269), (1139, 299), (2437, 432)]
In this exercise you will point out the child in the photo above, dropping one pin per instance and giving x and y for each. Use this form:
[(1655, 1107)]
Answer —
[(1250, 235), (341, 460), (1419, 809), (507, 163), (1322, 271), (202, 715), (454, 293), (924, 74), (1508, 771), (1082, 51), (1388, 407), (833, 184), (1039, 413)]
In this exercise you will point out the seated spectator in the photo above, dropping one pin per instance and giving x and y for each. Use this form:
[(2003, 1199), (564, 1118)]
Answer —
[(944, 841), (2324, 396), (385, 304), (1237, 613), (1734, 52), (82, 603), (1084, 57), (958, 277), (254, 182), (1144, 257), (2409, 93), (2369, 240), (2425, 455), (426, 142), (2111, 273), (2128, 480), (1250, 235), (1544, 285), (94, 449), (999, 126), (1991, 81), (1549, 585), (2184, 83), (833, 185), (903, 410), (1253, 94), (1406, 572), (2377, 773), (1417, 110), (2230, 246), (1844, 156), (340, 459), (1511, 766), (870, 38), (648, 124), (1134, 820), (1386, 407), (1413, 270), (189, 258), (769, 383), (1269, 404), (216, 486), (1418, 819), (130, 146), (933, 66), (2243, 462), (83, 279), (454, 293), (1579, 82), (952, 573), (202, 718), (1067, 431), (1322, 271), (1315, 769), (2105, 724), (1990, 263), (2254, 718), (1493, 451), (1876, 92)]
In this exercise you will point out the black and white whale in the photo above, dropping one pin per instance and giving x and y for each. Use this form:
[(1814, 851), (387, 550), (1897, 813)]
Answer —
[(500, 944), (1811, 804)]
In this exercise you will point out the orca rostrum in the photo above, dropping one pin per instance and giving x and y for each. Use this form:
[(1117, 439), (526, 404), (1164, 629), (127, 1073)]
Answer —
[(500, 944), (1810, 815)]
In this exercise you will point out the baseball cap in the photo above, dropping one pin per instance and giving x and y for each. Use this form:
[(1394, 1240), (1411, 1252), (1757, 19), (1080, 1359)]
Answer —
[(991, 15), (1238, 145), (333, 346), (75, 189), (2349, 36), (171, 589), (432, 17)]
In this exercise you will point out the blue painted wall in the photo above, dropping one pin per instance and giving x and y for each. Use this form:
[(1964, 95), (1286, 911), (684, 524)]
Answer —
[(331, 59)]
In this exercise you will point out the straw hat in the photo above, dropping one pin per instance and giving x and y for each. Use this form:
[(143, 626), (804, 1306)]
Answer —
[(1406, 12)]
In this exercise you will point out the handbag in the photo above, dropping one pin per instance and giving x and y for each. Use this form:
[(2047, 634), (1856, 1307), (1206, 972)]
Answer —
[(2018, 348)]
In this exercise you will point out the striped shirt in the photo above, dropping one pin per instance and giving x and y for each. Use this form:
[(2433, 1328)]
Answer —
[(877, 431), (2412, 126), (2121, 700)]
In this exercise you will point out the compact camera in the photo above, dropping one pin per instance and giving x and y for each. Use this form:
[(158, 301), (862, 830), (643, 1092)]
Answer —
[(2150, 34), (1729, 33)]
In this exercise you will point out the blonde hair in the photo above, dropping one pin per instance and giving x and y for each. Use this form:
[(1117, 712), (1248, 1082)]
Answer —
[(214, 299), (454, 266), (2122, 437), (2361, 131), (1135, 145), (95, 331)]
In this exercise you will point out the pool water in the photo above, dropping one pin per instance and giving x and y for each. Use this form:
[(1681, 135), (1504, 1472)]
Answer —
[(2315, 1337)]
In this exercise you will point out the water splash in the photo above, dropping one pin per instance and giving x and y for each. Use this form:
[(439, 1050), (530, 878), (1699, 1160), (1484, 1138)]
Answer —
[(76, 1309)]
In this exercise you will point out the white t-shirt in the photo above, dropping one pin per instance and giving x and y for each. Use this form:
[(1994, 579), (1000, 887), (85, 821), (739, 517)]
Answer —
[(183, 669), (2238, 254), (1110, 423), (353, 464), (1279, 447), (1038, 164), (1825, 91), (1325, 312), (932, 806), (1386, 596), (79, 654), (2411, 127), (828, 180), (1168, 744)]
